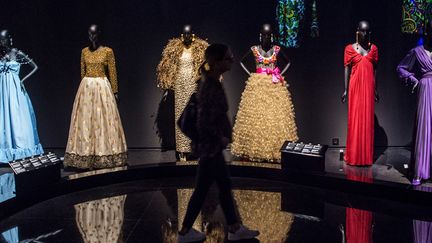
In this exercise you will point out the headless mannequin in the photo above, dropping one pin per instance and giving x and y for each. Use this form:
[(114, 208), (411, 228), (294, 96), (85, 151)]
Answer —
[(94, 34), (362, 46), (427, 45), (7, 52), (266, 44)]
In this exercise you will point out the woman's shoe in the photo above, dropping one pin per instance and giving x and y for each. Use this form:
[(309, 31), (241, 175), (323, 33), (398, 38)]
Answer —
[(192, 235), (243, 233)]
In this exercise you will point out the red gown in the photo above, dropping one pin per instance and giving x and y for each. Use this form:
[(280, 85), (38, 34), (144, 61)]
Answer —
[(361, 92)]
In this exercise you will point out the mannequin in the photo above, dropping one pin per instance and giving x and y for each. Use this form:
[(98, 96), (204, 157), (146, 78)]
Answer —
[(360, 61), (94, 34), (178, 71), (18, 125), (266, 115), (363, 46), (187, 36), (266, 43), (6, 50), (96, 137), (415, 69)]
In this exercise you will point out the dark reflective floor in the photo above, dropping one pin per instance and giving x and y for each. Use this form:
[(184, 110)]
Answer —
[(390, 164), (149, 211)]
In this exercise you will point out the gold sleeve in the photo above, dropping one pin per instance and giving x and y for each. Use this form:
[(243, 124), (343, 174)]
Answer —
[(167, 67), (112, 72), (83, 66)]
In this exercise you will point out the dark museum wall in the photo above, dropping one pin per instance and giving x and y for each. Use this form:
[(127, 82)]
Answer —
[(54, 32)]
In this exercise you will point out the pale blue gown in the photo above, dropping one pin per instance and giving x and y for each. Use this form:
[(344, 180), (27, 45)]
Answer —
[(18, 132)]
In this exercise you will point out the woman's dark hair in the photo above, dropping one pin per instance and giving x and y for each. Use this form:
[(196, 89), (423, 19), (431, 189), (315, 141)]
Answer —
[(214, 52)]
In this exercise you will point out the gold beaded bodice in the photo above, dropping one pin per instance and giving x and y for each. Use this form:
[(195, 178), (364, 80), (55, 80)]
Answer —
[(99, 63)]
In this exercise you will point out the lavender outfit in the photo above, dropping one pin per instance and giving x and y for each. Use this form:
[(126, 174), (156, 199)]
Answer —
[(419, 63)]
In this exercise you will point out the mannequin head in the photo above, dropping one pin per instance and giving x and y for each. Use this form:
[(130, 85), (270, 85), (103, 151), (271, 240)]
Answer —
[(5, 39), (187, 35), (94, 34), (5, 42), (218, 59), (266, 35), (363, 33)]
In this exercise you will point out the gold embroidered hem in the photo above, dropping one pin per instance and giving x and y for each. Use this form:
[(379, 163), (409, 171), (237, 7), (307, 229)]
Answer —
[(95, 161), (265, 120), (95, 130)]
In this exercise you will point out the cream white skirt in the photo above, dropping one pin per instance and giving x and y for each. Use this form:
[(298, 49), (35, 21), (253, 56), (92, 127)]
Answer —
[(96, 137)]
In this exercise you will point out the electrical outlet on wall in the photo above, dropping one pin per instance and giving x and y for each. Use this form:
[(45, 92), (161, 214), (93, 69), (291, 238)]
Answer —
[(335, 141)]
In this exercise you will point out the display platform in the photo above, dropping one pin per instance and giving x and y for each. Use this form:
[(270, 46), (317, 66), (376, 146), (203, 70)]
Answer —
[(385, 179), (151, 210)]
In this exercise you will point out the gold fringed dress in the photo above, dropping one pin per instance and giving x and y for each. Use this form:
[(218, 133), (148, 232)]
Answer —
[(178, 71), (96, 137), (265, 118)]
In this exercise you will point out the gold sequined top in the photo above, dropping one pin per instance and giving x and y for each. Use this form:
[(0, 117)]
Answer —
[(99, 63)]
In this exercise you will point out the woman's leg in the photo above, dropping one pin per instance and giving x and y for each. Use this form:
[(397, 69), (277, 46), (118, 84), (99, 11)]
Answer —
[(223, 181), (204, 179)]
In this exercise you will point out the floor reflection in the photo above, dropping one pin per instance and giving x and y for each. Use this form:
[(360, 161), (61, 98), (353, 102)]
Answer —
[(101, 220), (96, 172), (262, 211), (7, 186), (361, 174), (359, 225), (10, 236), (258, 210), (422, 231)]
